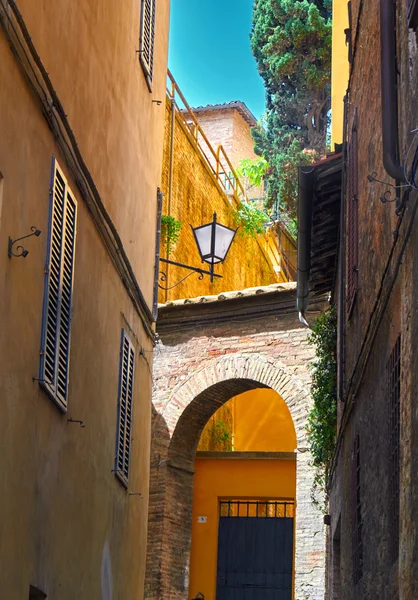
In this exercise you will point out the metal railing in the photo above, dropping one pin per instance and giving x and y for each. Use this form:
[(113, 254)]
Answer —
[(218, 161)]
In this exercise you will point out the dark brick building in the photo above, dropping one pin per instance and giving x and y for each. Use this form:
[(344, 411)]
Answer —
[(370, 267)]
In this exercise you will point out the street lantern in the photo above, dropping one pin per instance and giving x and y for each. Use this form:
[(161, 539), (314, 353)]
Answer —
[(213, 241)]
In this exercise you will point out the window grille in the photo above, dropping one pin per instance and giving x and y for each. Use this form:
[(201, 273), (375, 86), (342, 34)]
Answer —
[(393, 388), (352, 216), (124, 419), (56, 325), (269, 509), (357, 523), (146, 40)]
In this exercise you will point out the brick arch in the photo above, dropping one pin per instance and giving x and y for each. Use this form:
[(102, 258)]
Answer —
[(240, 373), (181, 416)]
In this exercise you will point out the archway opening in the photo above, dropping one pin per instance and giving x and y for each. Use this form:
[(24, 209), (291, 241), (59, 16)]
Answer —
[(244, 500), (180, 417)]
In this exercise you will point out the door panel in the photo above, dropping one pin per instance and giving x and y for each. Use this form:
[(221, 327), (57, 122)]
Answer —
[(255, 557)]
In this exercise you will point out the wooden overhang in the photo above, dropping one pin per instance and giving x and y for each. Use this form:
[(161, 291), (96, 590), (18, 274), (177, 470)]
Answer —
[(318, 229)]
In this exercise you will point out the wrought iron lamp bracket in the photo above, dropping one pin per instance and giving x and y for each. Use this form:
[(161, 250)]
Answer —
[(21, 251), (201, 272)]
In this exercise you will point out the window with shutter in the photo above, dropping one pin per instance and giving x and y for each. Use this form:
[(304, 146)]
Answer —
[(124, 420), (356, 516), (393, 396), (352, 217), (55, 343), (146, 40)]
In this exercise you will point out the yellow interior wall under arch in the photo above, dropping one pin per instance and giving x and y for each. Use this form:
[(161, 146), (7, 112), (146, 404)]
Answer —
[(262, 423), (255, 421)]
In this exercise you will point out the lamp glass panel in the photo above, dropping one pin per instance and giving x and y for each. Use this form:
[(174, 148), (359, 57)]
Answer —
[(223, 239), (204, 237)]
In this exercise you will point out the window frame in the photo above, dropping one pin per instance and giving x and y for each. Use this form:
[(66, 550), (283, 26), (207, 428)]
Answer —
[(352, 260), (393, 403), (147, 64), (52, 388), (120, 473)]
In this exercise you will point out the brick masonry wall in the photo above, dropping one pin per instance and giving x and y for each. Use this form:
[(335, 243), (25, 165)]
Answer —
[(385, 307), (195, 372)]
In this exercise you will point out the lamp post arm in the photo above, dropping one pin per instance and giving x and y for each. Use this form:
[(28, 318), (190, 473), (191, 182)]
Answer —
[(183, 266)]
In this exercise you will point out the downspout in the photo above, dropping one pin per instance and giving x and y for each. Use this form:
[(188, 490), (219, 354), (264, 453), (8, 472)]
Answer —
[(305, 185), (389, 91), (157, 254), (171, 168), (342, 274)]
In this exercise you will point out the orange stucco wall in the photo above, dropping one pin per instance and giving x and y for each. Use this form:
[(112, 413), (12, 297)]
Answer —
[(229, 478)]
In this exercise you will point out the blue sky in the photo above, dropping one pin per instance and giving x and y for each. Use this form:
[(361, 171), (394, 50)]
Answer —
[(210, 55)]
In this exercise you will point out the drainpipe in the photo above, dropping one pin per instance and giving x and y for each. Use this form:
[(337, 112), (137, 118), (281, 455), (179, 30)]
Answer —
[(157, 253), (305, 184), (389, 91), (170, 188)]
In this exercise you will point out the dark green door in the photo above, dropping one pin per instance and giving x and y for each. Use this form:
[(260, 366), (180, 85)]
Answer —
[(255, 551)]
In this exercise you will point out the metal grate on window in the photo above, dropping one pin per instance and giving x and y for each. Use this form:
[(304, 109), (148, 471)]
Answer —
[(56, 323), (269, 509), (393, 389), (146, 39), (124, 419), (357, 523), (352, 216)]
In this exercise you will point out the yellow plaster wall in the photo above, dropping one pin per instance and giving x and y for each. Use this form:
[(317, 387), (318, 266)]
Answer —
[(262, 422), (225, 478), (195, 196), (256, 421), (339, 68), (65, 518)]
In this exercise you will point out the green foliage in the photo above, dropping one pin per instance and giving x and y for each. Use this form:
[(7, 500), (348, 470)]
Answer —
[(291, 42), (250, 219), (253, 170), (322, 421), (170, 232), (221, 436)]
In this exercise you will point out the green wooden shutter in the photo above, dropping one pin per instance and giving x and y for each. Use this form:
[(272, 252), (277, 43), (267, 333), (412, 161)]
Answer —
[(55, 343), (146, 41), (124, 420)]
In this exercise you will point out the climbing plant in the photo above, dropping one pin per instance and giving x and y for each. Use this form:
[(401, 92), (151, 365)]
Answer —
[(221, 436), (322, 420), (250, 219), (170, 232)]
